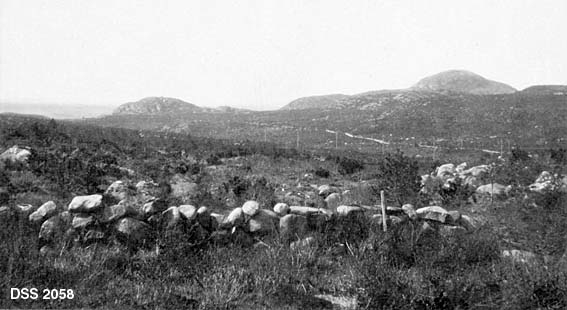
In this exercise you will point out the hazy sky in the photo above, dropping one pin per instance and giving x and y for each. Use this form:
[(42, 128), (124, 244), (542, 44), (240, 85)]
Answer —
[(262, 54)]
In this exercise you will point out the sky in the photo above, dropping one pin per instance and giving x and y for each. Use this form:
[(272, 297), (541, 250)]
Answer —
[(262, 54)]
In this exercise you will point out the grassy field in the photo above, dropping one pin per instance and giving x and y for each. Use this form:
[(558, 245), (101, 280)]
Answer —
[(350, 264)]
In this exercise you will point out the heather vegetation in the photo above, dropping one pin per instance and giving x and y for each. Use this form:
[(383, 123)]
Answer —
[(341, 260)]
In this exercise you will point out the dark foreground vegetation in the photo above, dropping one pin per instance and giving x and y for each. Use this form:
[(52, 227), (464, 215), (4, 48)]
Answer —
[(351, 261)]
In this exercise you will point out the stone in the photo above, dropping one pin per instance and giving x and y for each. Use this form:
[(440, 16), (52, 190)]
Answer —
[(433, 213), (394, 210), (293, 226), (51, 230), (234, 218), (410, 211), (44, 212), (303, 210), (494, 189), (16, 154), (326, 190), (281, 208), (467, 222), (445, 170), (347, 210), (171, 216), (82, 221), (117, 191), (188, 212), (264, 221), (333, 200), (398, 219), (453, 218), (132, 231), (148, 188), (522, 257), (86, 204), (250, 207), (25, 209), (116, 212), (181, 187), (219, 218), (154, 206)]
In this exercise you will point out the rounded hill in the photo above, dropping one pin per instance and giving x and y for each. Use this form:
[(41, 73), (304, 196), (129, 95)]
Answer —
[(462, 81)]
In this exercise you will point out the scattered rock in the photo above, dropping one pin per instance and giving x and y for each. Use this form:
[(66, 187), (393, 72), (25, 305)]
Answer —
[(86, 204), (51, 230), (132, 231), (453, 218), (281, 208), (326, 190), (82, 221), (181, 187), (117, 191), (44, 212), (346, 210), (234, 218), (433, 213), (264, 221), (16, 154), (171, 216), (522, 257), (467, 222), (333, 200), (250, 207), (410, 211), (116, 212), (494, 189), (25, 209), (154, 206), (303, 210), (188, 212)]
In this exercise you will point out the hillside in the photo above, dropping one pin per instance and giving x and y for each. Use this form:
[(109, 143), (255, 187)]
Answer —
[(557, 90), (316, 102), (461, 81)]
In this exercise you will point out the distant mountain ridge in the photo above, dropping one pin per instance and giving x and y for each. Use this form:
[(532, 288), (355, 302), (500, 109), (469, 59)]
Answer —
[(453, 83), (462, 81), (316, 102), (156, 105)]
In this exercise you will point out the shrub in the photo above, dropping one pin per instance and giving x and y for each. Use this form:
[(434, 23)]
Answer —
[(349, 165), (322, 172), (398, 175)]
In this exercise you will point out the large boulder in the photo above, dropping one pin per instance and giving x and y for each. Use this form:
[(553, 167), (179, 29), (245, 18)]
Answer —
[(264, 221), (281, 208), (250, 207), (433, 213), (132, 231), (16, 154), (44, 212), (293, 226), (86, 204)]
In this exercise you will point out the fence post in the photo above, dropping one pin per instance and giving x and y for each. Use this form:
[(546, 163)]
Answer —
[(383, 204)]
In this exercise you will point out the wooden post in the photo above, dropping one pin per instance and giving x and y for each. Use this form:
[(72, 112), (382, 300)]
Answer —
[(336, 140), (383, 204)]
